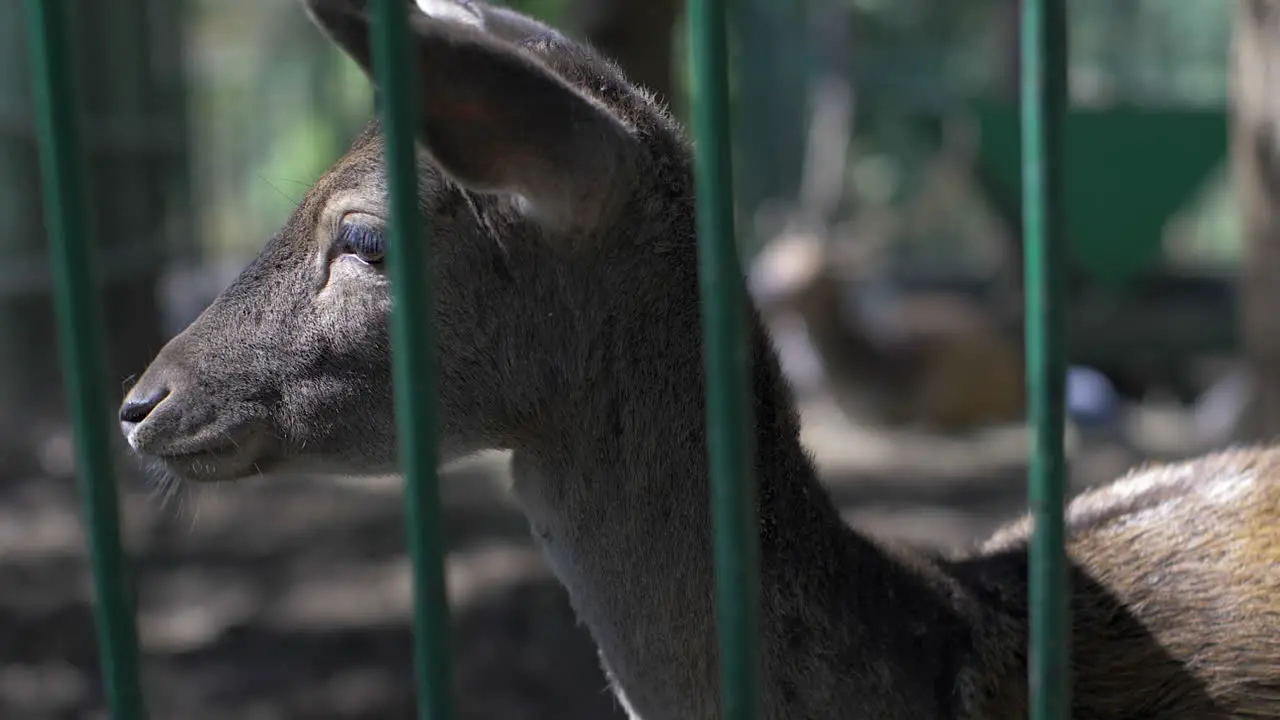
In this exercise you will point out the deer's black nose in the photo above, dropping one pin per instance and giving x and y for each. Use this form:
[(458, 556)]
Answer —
[(137, 407)]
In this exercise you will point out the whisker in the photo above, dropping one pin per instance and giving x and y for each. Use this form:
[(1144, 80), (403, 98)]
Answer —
[(273, 187), (297, 182)]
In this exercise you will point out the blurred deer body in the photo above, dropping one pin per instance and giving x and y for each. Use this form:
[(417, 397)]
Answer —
[(561, 212), (932, 360)]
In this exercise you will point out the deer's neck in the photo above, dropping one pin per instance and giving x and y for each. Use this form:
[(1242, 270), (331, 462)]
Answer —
[(618, 497)]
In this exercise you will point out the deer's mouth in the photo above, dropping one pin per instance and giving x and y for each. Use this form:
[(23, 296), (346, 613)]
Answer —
[(229, 456), (228, 448)]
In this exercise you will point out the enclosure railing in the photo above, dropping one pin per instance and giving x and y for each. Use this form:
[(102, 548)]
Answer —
[(75, 278), (1044, 99), (727, 356)]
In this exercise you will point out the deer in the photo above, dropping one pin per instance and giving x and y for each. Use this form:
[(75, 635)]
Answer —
[(560, 203), (946, 367)]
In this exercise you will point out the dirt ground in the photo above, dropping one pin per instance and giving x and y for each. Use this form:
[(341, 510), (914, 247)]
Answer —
[(291, 598)]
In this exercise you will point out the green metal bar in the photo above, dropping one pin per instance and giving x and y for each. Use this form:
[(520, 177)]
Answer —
[(1044, 99), (728, 368), (414, 360), (79, 332)]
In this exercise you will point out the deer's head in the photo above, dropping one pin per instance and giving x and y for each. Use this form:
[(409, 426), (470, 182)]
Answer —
[(556, 195)]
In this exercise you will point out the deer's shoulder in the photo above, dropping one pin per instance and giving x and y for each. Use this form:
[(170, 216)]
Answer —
[(1229, 494), (1156, 557)]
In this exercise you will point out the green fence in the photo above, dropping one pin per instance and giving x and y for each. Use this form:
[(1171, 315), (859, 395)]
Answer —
[(727, 359)]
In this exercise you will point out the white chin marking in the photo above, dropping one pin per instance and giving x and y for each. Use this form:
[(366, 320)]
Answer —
[(451, 10)]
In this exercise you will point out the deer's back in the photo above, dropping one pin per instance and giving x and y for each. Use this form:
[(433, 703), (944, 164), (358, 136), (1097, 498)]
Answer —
[(1175, 590)]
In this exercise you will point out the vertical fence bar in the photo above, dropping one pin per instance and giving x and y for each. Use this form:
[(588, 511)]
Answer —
[(80, 336), (1044, 99), (728, 364), (414, 362)]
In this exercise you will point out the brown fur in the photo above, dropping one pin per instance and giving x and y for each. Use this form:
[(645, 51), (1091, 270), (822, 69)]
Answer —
[(566, 314), (1177, 589)]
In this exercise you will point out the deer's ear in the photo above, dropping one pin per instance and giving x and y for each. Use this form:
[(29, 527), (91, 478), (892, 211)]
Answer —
[(497, 119)]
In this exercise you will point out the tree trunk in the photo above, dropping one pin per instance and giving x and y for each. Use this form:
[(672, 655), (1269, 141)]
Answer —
[(1255, 150)]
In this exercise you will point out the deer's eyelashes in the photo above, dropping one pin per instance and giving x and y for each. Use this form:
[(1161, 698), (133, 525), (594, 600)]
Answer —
[(360, 238)]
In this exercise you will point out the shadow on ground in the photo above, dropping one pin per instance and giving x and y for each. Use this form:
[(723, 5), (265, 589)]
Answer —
[(291, 598)]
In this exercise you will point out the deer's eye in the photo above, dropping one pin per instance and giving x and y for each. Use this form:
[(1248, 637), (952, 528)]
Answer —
[(362, 241)]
